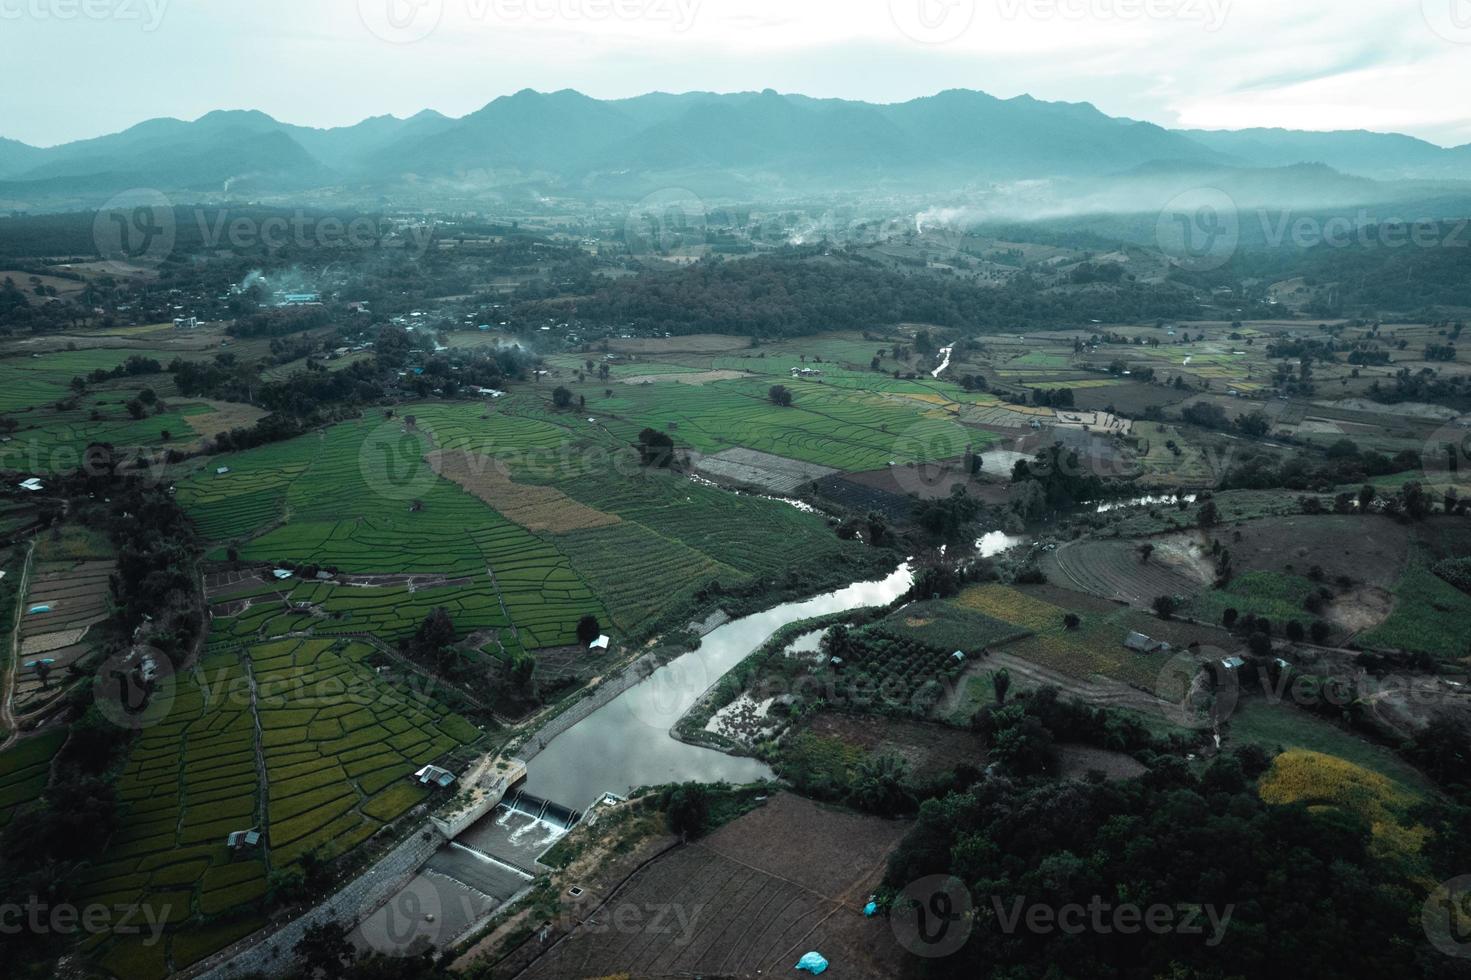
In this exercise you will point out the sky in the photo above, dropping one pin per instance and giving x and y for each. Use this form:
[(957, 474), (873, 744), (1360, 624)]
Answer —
[(71, 69)]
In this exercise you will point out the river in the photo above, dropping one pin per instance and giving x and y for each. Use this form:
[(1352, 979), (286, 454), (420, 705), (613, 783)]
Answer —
[(946, 363), (626, 743)]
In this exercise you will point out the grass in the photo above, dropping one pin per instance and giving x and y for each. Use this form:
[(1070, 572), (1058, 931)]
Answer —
[(1274, 726), (952, 626), (1430, 616), (1275, 595)]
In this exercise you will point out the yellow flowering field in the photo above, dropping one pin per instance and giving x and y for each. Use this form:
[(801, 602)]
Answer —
[(1301, 776)]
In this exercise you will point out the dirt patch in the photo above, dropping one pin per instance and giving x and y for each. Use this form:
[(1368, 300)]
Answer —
[(684, 378), (222, 417), (1186, 554), (1077, 761), (1370, 549), (533, 507), (1361, 608)]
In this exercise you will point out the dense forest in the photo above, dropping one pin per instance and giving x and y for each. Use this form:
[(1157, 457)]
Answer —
[(799, 294), (1241, 888)]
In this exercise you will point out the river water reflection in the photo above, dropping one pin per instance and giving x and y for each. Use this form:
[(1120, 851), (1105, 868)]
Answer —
[(626, 743)]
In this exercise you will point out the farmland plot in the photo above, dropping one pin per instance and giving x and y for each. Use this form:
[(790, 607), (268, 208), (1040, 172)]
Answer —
[(25, 769), (755, 895), (63, 601), (337, 747), (190, 781), (331, 500)]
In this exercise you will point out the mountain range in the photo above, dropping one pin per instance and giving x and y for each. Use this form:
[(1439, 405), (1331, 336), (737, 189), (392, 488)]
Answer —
[(735, 145)]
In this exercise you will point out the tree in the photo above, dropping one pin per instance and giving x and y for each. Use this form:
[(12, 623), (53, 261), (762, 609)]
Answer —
[(1071, 621), (1001, 681), (43, 671), (1295, 632), (780, 395), (588, 629), (434, 635), (1210, 515), (1318, 631), (687, 808), (1367, 493), (1165, 606), (325, 950), (655, 448), (561, 397), (1146, 550), (1229, 617)]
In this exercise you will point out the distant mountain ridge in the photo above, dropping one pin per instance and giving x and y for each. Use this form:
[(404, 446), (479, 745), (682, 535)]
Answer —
[(734, 144)]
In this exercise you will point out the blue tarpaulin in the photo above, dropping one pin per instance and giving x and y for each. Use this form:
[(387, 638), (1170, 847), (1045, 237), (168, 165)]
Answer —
[(813, 963), (870, 909), (40, 609)]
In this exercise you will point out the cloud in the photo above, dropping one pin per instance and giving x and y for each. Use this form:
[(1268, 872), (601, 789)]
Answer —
[(1205, 63)]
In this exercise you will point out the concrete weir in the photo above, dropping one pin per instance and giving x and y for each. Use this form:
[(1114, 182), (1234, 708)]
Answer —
[(481, 791)]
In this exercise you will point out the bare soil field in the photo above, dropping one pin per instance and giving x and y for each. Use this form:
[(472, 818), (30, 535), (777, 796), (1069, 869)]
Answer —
[(789, 877), (64, 287), (1113, 570), (1369, 549), (536, 508), (222, 417), (754, 468), (1077, 761)]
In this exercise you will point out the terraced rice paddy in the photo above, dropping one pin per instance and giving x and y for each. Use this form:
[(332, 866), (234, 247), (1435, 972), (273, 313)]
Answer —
[(843, 428), (1113, 569), (297, 738), (677, 536), (25, 769), (537, 508), (360, 498), (388, 612), (190, 781)]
